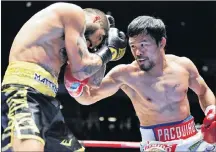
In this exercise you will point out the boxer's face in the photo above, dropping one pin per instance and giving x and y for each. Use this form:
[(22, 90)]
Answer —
[(94, 35), (145, 51)]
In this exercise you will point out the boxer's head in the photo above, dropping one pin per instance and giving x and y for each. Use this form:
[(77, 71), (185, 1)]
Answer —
[(147, 38), (97, 27)]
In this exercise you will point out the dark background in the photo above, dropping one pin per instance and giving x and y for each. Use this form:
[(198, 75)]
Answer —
[(191, 31)]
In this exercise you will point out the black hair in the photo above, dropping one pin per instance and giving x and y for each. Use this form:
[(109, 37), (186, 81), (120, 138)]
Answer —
[(147, 25)]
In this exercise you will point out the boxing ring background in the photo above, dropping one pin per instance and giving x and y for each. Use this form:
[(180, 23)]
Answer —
[(191, 31)]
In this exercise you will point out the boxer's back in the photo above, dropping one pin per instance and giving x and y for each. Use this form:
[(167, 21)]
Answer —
[(41, 41), (158, 99)]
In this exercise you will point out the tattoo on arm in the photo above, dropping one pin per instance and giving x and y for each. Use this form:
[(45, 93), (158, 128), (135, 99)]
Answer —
[(97, 77), (88, 70), (81, 47), (80, 54)]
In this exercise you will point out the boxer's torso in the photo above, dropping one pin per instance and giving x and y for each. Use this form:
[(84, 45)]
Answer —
[(158, 99), (41, 41)]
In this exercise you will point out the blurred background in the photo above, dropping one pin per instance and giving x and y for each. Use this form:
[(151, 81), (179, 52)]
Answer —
[(191, 31)]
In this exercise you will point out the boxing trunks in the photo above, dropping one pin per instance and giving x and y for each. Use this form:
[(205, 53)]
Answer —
[(30, 110), (175, 136)]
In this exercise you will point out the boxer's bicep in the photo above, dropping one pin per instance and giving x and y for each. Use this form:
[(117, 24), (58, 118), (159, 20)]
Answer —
[(109, 86), (199, 86), (196, 82), (90, 95)]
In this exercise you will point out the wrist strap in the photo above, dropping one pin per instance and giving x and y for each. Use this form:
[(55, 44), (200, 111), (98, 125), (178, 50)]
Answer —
[(209, 108), (105, 54)]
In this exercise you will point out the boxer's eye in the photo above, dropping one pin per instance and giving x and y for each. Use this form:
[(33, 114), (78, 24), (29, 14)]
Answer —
[(143, 44)]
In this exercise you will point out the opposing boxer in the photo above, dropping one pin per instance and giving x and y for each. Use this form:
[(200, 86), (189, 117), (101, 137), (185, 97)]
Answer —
[(60, 33), (157, 84)]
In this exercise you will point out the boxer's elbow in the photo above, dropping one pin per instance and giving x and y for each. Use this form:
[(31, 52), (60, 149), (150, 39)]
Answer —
[(89, 96), (86, 101)]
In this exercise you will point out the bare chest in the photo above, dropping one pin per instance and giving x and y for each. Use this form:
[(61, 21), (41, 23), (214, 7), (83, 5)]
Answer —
[(170, 87)]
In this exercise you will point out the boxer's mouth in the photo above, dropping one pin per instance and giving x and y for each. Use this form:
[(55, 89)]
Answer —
[(142, 60)]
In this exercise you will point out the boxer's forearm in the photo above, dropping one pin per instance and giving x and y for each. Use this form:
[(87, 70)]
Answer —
[(206, 98), (96, 79), (88, 68), (94, 82)]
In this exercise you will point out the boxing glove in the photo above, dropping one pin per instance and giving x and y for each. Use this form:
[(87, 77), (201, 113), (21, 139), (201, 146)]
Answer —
[(208, 127), (117, 43), (116, 46), (111, 20), (73, 86)]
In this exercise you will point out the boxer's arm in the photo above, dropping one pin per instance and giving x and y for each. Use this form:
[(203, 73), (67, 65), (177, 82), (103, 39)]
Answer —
[(83, 63), (110, 84), (96, 79), (199, 86)]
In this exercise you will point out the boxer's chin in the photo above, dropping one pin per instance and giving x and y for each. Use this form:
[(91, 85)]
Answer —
[(146, 66)]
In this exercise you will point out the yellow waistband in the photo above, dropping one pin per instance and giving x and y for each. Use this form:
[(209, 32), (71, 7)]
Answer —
[(33, 75)]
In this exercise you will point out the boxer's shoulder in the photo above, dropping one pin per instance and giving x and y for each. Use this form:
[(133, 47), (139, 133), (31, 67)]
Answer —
[(63, 5), (66, 12), (172, 57), (178, 59), (185, 62), (181, 60)]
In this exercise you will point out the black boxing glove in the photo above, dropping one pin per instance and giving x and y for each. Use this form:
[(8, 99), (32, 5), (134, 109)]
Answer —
[(117, 43), (111, 20)]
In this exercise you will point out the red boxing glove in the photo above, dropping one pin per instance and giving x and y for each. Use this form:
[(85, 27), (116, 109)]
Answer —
[(73, 86), (208, 127)]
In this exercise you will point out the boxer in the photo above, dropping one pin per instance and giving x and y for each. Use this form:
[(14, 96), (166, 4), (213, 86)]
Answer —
[(60, 33), (157, 84)]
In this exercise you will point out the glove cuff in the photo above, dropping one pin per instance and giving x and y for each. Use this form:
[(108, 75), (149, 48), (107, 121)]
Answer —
[(105, 54), (210, 107)]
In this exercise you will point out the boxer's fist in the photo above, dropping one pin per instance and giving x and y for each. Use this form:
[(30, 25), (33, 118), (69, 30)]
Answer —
[(73, 86), (117, 43), (208, 127)]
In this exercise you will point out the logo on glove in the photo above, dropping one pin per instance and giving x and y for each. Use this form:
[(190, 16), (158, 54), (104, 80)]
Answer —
[(74, 86)]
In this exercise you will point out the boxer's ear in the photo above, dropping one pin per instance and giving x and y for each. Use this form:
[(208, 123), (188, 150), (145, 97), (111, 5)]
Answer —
[(162, 42)]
